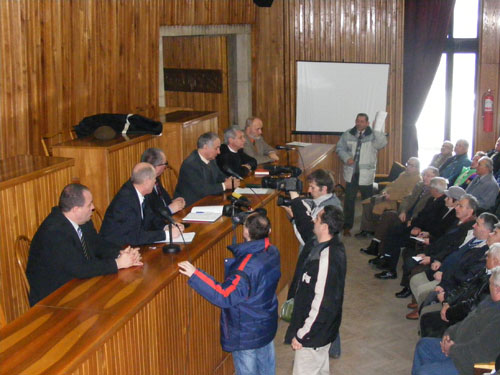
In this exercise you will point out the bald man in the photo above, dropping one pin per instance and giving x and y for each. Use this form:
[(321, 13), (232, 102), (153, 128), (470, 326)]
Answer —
[(129, 219)]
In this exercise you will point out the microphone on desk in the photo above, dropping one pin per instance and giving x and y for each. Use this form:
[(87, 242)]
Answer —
[(285, 147), (227, 169), (169, 248)]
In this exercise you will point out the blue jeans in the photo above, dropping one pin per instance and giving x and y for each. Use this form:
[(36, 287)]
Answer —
[(255, 361), (430, 360)]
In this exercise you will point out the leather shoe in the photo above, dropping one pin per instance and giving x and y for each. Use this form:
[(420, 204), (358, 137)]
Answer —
[(413, 315), (375, 260), (364, 234), (347, 232), (403, 293), (369, 251), (383, 264), (386, 275), (412, 305)]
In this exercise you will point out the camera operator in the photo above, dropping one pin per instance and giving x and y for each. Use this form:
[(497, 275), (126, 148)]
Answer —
[(303, 211)]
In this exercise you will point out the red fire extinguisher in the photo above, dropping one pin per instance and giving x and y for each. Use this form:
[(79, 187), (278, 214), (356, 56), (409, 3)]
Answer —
[(488, 111)]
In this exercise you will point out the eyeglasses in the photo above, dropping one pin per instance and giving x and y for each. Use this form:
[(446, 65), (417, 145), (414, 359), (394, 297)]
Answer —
[(161, 165), (411, 165)]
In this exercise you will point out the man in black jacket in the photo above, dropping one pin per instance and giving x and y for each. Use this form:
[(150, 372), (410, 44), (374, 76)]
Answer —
[(159, 197), (317, 312), (129, 219), (199, 175), (232, 159), (66, 246)]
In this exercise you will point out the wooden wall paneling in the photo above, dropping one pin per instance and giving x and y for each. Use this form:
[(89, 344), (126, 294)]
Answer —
[(198, 52), (206, 12), (351, 31), (489, 72), (64, 60)]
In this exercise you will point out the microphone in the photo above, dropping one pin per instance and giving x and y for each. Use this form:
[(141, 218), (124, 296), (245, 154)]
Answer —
[(165, 215), (227, 169), (285, 147)]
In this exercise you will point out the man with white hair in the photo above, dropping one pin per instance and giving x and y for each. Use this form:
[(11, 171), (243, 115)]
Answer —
[(129, 219), (446, 151), (453, 166), (473, 340), (232, 157), (255, 146), (484, 187)]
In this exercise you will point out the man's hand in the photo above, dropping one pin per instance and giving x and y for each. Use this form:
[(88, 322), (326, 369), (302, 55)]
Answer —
[(423, 234), (296, 345), (186, 268), (438, 275), (425, 260), (443, 312), (231, 182), (288, 210), (247, 166), (435, 265), (402, 217), (273, 155), (177, 205), (446, 344), (176, 231), (294, 194), (128, 257), (350, 161), (415, 231)]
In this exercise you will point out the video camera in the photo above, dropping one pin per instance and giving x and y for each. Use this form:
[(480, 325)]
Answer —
[(282, 184), (278, 170)]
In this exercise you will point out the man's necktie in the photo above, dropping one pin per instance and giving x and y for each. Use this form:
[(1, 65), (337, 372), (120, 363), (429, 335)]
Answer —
[(143, 206), (84, 244), (358, 152), (158, 192)]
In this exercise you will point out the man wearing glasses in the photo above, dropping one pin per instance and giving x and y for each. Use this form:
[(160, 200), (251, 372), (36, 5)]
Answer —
[(159, 196)]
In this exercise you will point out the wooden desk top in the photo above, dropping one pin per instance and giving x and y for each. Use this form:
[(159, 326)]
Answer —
[(21, 168), (76, 319), (187, 116), (91, 142)]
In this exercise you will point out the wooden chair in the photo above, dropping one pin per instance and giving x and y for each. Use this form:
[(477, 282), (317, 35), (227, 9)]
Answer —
[(97, 219), (382, 180), (52, 139), (3, 319), (169, 180), (22, 247)]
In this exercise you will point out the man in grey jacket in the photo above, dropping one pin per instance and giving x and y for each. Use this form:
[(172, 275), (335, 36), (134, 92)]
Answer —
[(358, 148), (473, 340)]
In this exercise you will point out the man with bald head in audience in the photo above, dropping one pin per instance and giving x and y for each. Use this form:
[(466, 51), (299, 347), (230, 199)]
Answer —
[(129, 218), (255, 146)]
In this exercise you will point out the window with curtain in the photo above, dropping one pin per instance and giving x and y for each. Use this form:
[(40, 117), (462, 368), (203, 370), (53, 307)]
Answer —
[(448, 111)]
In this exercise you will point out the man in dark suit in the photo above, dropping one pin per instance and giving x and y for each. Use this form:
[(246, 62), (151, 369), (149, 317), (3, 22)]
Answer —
[(232, 155), (159, 197), (129, 218), (66, 246), (199, 175)]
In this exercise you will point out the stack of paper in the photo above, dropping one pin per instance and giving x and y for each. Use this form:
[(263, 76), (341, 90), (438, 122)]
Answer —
[(254, 191), (207, 214), (188, 238)]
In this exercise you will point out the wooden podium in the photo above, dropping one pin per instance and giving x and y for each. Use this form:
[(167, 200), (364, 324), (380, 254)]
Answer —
[(146, 320)]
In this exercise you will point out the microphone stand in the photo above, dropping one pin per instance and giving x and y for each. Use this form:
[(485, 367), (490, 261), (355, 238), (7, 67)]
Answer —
[(171, 248)]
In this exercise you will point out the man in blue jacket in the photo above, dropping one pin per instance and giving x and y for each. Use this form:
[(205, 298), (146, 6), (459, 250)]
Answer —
[(249, 317)]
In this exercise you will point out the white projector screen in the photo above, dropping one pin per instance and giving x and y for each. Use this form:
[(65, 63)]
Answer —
[(329, 95)]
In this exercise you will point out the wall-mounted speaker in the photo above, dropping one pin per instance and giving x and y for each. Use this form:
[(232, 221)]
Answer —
[(263, 3)]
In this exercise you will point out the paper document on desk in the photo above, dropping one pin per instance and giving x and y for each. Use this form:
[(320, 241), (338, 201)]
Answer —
[(253, 191), (188, 238), (207, 214)]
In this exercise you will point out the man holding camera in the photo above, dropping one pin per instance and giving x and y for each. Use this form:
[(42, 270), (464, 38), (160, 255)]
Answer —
[(303, 211), (249, 317)]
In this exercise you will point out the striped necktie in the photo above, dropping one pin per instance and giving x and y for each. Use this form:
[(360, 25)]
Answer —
[(84, 244)]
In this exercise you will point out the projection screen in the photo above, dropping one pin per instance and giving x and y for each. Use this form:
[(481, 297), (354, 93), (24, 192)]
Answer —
[(329, 95)]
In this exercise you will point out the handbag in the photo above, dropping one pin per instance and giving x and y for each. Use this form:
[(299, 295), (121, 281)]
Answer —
[(287, 310)]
